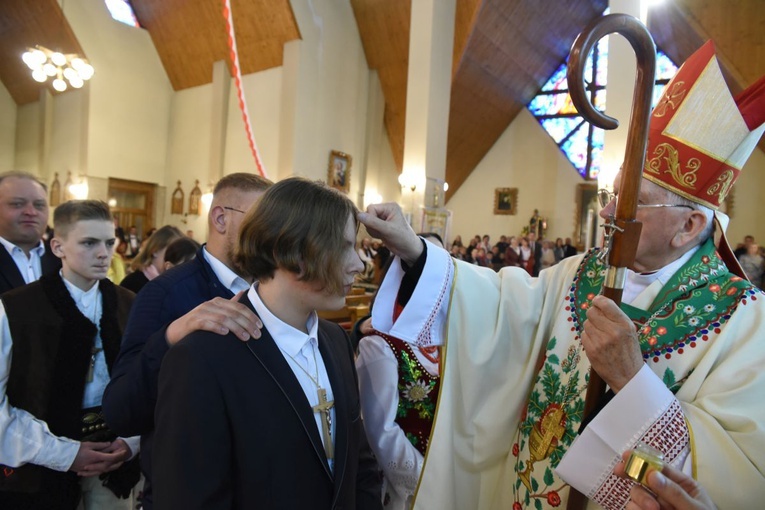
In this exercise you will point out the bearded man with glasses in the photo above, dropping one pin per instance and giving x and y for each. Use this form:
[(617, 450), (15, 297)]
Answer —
[(201, 294)]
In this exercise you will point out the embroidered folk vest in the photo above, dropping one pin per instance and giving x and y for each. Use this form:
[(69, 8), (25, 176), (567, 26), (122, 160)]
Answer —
[(417, 394), (52, 344)]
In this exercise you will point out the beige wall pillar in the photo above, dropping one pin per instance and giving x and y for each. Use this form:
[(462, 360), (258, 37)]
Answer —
[(622, 68), (46, 134), (431, 42), (221, 87)]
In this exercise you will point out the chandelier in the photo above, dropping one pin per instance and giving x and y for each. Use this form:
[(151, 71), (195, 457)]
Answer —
[(45, 64)]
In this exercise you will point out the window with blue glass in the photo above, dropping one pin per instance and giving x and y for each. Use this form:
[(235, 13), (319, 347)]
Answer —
[(122, 11), (581, 142)]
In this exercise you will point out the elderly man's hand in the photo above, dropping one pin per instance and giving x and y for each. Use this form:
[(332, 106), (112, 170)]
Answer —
[(387, 222), (672, 490), (611, 343)]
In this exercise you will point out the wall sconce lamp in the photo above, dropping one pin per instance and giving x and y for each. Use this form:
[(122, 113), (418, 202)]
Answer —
[(407, 179), (80, 190)]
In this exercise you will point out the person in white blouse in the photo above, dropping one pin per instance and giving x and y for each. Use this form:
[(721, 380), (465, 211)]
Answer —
[(58, 339), (398, 383)]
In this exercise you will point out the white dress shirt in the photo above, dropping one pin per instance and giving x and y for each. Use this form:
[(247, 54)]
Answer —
[(301, 351), (30, 266), (226, 276)]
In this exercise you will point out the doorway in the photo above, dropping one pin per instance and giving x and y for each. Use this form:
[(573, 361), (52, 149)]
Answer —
[(132, 203), (586, 222)]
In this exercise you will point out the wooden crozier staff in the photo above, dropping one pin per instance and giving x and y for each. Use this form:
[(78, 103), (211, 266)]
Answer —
[(622, 232)]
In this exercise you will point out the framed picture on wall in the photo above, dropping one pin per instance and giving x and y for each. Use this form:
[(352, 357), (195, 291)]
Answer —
[(506, 201), (339, 172)]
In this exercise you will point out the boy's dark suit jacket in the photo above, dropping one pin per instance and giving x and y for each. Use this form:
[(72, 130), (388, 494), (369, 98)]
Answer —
[(234, 429), (10, 278)]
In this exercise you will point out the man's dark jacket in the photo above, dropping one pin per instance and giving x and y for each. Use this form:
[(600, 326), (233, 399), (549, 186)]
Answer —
[(235, 430), (131, 395)]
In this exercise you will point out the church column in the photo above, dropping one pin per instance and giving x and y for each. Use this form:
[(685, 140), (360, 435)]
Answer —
[(221, 86), (620, 85), (431, 42), (45, 135)]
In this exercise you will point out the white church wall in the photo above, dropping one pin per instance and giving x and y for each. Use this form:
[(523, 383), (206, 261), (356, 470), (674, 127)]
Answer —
[(28, 138), (7, 130), (381, 182), (748, 213), (523, 157), (263, 92), (68, 142), (326, 79), (130, 96), (188, 155)]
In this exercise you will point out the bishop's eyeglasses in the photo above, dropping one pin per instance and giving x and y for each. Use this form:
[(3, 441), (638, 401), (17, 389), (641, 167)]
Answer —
[(605, 197)]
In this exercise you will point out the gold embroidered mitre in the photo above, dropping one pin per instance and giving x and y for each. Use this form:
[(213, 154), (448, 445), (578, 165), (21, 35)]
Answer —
[(700, 136)]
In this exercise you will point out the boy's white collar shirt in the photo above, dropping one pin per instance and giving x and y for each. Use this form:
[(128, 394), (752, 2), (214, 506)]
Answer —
[(89, 304), (301, 351)]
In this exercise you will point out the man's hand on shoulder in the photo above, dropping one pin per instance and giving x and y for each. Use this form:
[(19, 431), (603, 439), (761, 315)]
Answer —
[(219, 316)]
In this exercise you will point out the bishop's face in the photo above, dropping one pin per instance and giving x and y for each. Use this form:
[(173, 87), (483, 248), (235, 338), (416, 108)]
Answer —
[(659, 225)]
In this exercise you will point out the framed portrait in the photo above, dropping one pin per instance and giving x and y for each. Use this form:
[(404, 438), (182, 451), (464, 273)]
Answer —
[(339, 172), (506, 201)]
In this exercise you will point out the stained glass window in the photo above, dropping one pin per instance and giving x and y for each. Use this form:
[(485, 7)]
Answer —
[(581, 142), (122, 11)]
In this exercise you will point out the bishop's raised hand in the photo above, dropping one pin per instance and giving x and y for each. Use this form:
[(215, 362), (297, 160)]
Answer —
[(387, 222)]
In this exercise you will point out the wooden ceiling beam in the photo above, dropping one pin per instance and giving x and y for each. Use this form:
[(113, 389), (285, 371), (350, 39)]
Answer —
[(190, 35), (514, 48)]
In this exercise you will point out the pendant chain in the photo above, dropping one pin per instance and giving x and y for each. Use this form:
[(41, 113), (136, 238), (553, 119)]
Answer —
[(314, 379)]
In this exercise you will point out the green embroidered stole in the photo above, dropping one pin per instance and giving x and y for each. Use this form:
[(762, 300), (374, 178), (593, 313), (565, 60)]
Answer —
[(689, 311)]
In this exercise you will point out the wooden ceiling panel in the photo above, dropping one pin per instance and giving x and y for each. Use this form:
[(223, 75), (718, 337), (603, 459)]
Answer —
[(384, 28), (504, 50), (738, 29), (24, 24), (464, 20), (190, 35), (514, 48)]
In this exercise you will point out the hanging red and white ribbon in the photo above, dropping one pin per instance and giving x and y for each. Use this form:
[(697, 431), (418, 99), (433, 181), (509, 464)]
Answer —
[(234, 57)]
